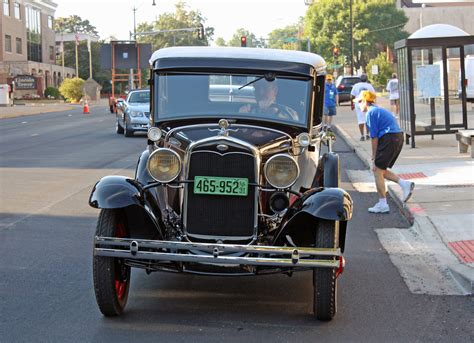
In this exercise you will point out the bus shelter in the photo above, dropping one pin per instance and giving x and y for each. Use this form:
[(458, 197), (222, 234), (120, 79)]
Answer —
[(435, 70)]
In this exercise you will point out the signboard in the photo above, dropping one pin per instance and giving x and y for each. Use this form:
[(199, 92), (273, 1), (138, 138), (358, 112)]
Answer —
[(24, 82), (375, 69), (428, 81), (126, 55)]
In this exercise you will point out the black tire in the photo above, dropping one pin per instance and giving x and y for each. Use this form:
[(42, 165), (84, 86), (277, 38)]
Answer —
[(324, 279), (118, 128), (111, 275), (111, 107), (126, 131)]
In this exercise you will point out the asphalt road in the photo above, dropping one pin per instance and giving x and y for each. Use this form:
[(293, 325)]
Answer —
[(48, 165)]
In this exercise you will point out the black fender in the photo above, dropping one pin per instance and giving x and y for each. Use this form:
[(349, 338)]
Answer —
[(116, 192), (328, 173), (303, 217), (120, 192)]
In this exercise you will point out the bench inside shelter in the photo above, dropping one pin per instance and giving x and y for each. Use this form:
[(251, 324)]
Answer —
[(465, 139)]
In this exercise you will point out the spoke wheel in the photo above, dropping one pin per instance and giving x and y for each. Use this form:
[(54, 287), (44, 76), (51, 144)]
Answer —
[(111, 275), (324, 279)]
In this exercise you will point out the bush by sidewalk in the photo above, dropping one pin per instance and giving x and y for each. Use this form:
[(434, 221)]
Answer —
[(72, 89)]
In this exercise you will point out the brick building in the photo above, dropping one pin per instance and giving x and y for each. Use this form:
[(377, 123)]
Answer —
[(27, 44)]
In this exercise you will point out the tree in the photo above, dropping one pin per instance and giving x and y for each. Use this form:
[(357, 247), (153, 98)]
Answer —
[(73, 24), (71, 89), (376, 24), (220, 41), (288, 38), (385, 70), (181, 19)]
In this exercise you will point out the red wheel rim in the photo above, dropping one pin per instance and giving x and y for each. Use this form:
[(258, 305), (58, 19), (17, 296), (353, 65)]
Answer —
[(121, 270)]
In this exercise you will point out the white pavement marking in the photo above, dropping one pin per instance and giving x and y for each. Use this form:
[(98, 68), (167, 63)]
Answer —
[(422, 259)]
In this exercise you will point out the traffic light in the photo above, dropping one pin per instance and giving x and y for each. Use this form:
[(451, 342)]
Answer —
[(243, 41), (346, 60), (335, 52), (201, 31)]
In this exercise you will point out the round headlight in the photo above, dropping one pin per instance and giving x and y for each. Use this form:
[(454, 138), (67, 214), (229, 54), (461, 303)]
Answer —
[(154, 134), (164, 165), (303, 139), (281, 171)]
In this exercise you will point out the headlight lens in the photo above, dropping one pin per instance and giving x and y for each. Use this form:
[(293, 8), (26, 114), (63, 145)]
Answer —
[(154, 134), (136, 114), (281, 171), (164, 165)]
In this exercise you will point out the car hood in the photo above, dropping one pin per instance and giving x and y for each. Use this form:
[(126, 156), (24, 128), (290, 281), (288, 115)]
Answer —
[(139, 107), (259, 137)]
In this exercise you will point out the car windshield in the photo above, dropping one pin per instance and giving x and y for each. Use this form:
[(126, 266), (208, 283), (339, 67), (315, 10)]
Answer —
[(140, 97), (255, 97)]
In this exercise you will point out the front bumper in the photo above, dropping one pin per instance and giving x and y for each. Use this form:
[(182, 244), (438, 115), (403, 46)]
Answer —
[(254, 255)]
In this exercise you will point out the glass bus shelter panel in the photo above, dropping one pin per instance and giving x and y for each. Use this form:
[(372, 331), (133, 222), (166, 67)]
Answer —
[(428, 96), (469, 82), (453, 63), (404, 90)]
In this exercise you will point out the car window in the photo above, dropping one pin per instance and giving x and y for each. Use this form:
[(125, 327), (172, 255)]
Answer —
[(350, 81), (139, 97), (232, 96)]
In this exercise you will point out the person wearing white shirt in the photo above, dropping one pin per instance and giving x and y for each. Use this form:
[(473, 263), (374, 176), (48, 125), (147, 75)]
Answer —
[(394, 96), (363, 85)]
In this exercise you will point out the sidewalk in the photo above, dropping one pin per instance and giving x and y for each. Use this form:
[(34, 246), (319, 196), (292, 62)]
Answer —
[(37, 108), (436, 255)]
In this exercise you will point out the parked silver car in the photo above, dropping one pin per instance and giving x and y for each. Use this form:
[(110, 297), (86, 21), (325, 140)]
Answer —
[(133, 113)]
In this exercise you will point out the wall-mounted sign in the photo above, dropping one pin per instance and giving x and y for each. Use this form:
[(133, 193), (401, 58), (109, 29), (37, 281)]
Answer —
[(24, 82)]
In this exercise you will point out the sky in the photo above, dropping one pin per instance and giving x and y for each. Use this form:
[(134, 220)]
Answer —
[(115, 17)]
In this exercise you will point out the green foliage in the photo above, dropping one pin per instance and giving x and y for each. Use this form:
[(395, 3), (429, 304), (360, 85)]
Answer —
[(286, 38), (376, 24), (72, 89), (181, 19), (220, 41), (52, 92), (385, 70), (69, 25)]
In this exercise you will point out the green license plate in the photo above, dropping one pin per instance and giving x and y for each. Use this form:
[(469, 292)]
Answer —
[(221, 185)]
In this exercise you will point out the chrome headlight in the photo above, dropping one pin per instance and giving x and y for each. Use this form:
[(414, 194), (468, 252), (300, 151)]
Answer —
[(154, 134), (164, 165), (136, 114), (281, 171)]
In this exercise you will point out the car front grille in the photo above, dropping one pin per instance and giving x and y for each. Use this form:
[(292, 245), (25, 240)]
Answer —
[(221, 216)]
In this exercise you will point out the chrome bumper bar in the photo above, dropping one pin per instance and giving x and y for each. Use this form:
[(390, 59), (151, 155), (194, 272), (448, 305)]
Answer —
[(142, 249)]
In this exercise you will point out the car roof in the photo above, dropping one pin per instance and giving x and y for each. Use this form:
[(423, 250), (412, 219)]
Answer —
[(234, 57)]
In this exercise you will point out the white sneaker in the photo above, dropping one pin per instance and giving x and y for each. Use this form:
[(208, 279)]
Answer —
[(407, 188), (379, 208)]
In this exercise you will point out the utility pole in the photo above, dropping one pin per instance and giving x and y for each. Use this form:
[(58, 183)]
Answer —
[(130, 80), (352, 37)]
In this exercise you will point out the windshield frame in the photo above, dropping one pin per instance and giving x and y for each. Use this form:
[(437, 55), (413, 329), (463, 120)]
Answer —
[(305, 113), (139, 91)]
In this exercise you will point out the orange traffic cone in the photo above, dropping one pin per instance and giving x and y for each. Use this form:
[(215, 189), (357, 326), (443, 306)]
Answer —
[(86, 108)]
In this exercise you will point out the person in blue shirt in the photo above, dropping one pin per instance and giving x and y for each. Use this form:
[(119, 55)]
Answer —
[(387, 142), (330, 102)]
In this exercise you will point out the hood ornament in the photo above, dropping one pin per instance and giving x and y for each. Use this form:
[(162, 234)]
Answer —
[(223, 129)]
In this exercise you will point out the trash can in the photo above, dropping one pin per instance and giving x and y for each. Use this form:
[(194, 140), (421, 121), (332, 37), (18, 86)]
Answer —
[(4, 95)]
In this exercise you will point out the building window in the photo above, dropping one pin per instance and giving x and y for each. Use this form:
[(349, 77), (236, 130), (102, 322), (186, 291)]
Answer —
[(50, 22), (19, 48), (8, 43), (33, 33), (6, 7), (51, 53), (16, 10)]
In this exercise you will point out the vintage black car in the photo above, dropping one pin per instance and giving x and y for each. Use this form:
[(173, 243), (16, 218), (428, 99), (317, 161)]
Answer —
[(238, 177)]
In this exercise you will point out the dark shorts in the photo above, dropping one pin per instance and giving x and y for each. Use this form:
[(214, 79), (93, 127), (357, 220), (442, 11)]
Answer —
[(388, 149), (330, 111)]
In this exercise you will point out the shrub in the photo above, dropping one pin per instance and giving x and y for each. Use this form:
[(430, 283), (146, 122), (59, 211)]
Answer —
[(72, 89), (385, 71), (52, 93)]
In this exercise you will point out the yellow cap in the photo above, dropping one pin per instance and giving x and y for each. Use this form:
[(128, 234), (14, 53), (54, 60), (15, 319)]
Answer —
[(367, 96), (329, 77)]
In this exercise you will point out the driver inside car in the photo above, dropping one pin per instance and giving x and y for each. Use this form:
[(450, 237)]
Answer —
[(265, 96)]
